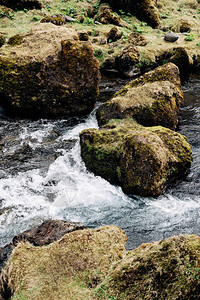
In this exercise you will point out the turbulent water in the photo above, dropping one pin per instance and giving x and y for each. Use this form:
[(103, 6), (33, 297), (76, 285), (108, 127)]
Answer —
[(42, 176)]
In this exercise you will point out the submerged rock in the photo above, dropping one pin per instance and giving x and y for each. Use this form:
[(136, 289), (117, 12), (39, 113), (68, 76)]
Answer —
[(44, 77), (145, 10), (66, 269), (152, 99), (139, 159)]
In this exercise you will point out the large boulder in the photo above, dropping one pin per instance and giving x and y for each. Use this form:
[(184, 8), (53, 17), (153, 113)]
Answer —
[(66, 269), (46, 233), (139, 159), (145, 10), (49, 73), (168, 269), (152, 99), (21, 4)]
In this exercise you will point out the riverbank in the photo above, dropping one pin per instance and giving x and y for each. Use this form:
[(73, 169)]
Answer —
[(181, 17)]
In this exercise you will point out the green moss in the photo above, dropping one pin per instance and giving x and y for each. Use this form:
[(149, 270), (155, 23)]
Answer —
[(152, 99), (66, 86), (140, 159)]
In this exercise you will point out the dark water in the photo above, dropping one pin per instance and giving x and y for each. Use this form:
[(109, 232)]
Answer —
[(42, 176)]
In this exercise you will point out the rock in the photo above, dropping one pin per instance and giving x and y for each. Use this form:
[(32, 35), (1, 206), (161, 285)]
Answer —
[(126, 62), (83, 35), (168, 269), (21, 4), (2, 38), (182, 26), (67, 269), (5, 255), (152, 99), (49, 78), (6, 12), (113, 35), (145, 10), (180, 57), (55, 19), (70, 19), (48, 232), (106, 16), (171, 37), (15, 40), (137, 39), (139, 159), (81, 19)]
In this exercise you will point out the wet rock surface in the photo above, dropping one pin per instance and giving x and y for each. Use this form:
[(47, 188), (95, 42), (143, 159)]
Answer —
[(139, 159)]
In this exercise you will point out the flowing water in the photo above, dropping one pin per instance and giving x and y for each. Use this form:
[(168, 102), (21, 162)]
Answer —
[(42, 176)]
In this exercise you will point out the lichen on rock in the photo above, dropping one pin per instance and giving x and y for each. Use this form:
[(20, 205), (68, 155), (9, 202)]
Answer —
[(140, 159), (152, 99)]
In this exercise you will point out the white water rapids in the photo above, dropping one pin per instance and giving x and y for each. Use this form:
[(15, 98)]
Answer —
[(50, 181)]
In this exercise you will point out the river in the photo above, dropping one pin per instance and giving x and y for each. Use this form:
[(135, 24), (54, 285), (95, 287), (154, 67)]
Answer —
[(42, 176)]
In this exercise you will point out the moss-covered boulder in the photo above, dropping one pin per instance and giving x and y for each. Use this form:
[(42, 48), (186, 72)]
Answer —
[(2, 38), (169, 269), (145, 10), (44, 76), (126, 62), (139, 159), (152, 99), (180, 57), (55, 19), (21, 4), (66, 269)]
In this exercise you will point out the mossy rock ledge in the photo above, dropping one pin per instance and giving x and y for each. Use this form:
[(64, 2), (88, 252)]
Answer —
[(49, 74), (93, 264), (139, 159), (152, 99), (66, 269)]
